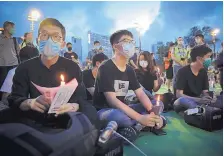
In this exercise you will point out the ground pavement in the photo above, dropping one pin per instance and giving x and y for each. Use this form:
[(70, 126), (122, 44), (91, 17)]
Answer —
[(181, 139)]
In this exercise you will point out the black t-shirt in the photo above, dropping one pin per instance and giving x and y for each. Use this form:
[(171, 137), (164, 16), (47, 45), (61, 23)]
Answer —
[(34, 71), (69, 55), (111, 79), (89, 81), (191, 85), (146, 79)]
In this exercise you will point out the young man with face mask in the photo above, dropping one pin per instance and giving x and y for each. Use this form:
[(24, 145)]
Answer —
[(89, 75), (192, 81), (8, 53), (179, 56), (70, 54), (113, 81), (45, 72)]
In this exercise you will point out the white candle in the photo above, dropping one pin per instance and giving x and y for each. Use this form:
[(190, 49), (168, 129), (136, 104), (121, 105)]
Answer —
[(158, 69), (158, 99), (62, 80)]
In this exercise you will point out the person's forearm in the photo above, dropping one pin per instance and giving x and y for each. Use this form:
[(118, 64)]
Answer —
[(155, 89), (145, 101), (126, 109)]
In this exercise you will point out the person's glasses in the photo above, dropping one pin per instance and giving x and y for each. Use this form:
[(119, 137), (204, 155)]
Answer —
[(127, 41), (55, 37)]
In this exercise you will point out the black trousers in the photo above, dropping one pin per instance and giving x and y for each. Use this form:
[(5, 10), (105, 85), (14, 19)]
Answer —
[(3, 73)]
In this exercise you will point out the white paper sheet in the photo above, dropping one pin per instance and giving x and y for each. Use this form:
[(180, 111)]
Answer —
[(63, 95)]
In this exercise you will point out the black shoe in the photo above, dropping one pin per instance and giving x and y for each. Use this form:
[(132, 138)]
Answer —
[(129, 133)]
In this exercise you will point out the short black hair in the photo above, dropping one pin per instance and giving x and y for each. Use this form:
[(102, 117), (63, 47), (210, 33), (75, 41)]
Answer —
[(115, 37), (6, 23), (69, 43), (199, 35), (54, 22), (200, 50), (99, 58), (25, 35), (95, 42)]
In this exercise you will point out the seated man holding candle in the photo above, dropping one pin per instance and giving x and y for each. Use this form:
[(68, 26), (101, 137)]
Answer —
[(192, 81), (89, 75), (42, 74), (113, 81)]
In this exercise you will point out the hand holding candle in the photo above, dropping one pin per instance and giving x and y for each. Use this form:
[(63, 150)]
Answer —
[(62, 80), (156, 108)]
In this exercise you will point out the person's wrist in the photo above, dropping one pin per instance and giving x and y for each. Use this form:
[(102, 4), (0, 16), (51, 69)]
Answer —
[(138, 118), (160, 124)]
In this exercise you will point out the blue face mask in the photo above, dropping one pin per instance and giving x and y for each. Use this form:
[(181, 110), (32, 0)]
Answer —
[(49, 48), (128, 50)]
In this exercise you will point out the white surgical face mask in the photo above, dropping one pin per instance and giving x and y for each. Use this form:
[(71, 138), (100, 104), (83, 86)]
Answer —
[(143, 64), (128, 50)]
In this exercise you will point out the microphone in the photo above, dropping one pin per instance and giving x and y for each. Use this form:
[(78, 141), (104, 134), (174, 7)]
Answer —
[(108, 131)]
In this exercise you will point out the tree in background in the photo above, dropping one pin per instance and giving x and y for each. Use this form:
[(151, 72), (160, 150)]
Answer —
[(206, 31), (162, 49)]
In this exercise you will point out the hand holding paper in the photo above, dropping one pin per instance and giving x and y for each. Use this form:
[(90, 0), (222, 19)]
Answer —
[(69, 107), (57, 96)]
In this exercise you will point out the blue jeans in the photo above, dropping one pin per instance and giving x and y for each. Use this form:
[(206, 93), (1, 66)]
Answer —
[(182, 104), (111, 114)]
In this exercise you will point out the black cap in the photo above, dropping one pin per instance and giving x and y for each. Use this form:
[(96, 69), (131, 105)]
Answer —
[(199, 35)]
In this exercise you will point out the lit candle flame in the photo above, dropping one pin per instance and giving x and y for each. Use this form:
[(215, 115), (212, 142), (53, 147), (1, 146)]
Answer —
[(62, 78), (158, 69)]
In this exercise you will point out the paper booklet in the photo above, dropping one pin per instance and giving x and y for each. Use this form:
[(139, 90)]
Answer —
[(58, 95)]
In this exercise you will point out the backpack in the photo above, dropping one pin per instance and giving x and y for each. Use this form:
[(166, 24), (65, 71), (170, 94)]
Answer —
[(210, 119), (74, 135)]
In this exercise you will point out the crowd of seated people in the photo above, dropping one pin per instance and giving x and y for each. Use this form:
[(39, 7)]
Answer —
[(106, 83)]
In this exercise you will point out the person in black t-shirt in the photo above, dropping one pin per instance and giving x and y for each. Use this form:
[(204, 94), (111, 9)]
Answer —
[(89, 75), (113, 81), (146, 73), (70, 54), (192, 81), (45, 71)]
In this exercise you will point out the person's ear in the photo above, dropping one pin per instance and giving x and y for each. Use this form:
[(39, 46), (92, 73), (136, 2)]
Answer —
[(98, 64)]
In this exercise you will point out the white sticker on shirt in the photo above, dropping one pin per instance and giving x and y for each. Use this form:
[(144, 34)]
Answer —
[(121, 87)]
